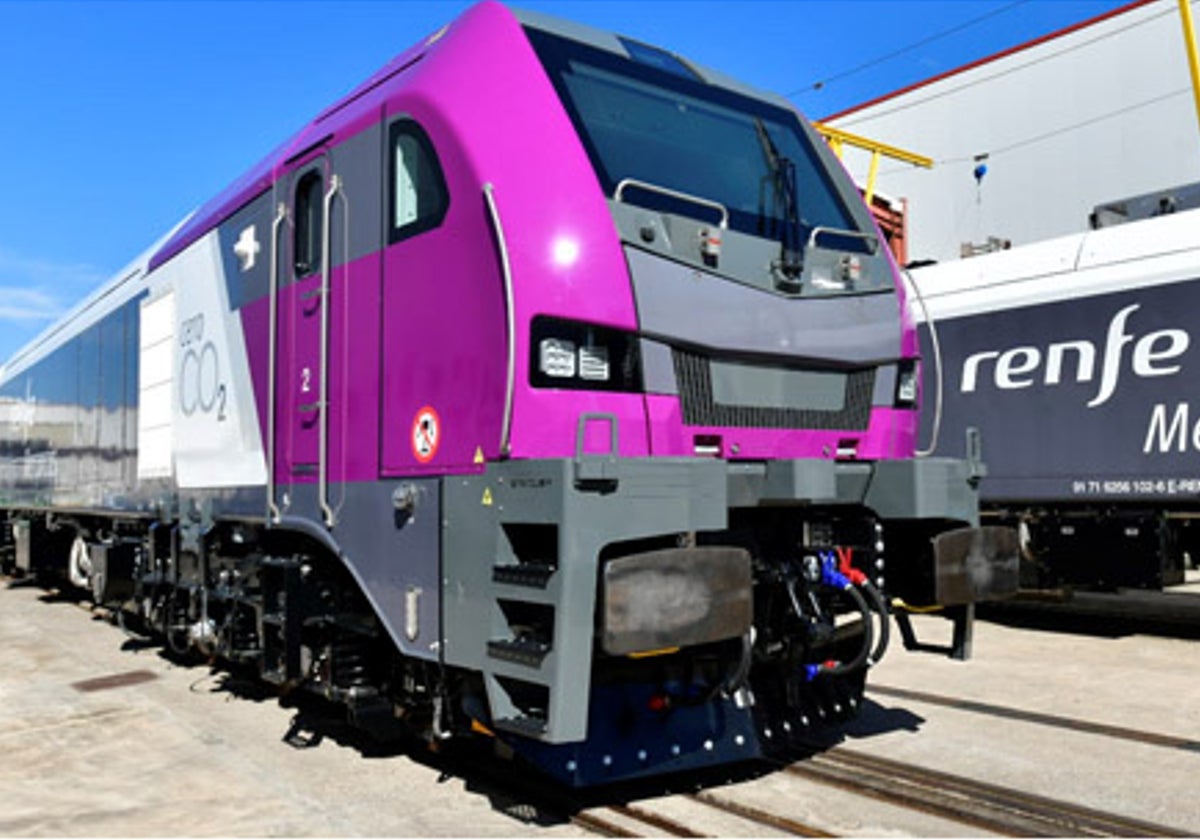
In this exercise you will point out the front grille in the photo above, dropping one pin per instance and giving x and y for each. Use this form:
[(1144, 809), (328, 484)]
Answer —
[(694, 378)]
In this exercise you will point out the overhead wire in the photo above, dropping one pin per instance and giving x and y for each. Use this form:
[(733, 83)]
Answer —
[(1029, 141), (820, 84), (939, 94), (1043, 136), (1047, 135)]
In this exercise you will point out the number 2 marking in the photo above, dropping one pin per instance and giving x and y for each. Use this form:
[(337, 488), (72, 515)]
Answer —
[(305, 380)]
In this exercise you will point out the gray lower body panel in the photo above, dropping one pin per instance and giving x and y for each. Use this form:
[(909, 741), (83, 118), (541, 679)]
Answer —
[(522, 544), (523, 547)]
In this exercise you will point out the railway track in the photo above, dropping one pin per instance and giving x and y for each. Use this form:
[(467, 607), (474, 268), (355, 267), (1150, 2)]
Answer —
[(757, 815), (642, 820), (725, 811), (968, 802), (722, 811), (1137, 736), (629, 822), (982, 805)]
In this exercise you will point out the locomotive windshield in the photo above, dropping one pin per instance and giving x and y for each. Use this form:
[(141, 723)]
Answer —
[(657, 122)]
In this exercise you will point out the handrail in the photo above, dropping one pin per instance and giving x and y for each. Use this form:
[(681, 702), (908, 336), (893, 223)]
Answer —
[(870, 238), (335, 187), (936, 346), (510, 315), (273, 514), (670, 193)]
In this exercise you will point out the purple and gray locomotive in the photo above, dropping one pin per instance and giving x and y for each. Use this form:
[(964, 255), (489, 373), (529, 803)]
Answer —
[(547, 386)]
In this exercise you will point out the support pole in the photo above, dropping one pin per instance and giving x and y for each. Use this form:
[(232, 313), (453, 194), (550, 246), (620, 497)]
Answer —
[(872, 176), (1189, 40)]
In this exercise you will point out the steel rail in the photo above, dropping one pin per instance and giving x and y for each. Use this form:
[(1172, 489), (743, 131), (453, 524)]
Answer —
[(980, 804), (605, 828), (757, 815), (675, 828), (659, 821), (1154, 739)]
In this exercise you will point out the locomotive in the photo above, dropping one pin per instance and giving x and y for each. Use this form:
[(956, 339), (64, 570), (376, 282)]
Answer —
[(547, 388), (1069, 349)]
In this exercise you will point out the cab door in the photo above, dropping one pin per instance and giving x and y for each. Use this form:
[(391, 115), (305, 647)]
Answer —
[(300, 308), (303, 403)]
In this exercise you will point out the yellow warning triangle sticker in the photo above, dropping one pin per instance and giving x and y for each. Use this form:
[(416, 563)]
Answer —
[(487, 497), (479, 459)]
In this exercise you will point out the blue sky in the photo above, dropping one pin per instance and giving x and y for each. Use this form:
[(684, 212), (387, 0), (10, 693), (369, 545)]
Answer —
[(118, 118)]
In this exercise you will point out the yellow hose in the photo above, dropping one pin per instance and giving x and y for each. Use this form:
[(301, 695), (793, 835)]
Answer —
[(898, 604)]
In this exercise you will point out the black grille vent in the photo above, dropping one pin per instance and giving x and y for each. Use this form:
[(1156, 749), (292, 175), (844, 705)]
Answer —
[(700, 409)]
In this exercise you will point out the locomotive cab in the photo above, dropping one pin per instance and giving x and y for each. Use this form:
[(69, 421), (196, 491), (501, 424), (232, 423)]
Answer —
[(732, 495)]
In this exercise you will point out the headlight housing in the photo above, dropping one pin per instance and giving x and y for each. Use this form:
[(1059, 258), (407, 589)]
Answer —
[(908, 378), (575, 355)]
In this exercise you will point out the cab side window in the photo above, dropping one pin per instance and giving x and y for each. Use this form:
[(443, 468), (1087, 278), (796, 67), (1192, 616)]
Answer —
[(309, 209), (418, 197)]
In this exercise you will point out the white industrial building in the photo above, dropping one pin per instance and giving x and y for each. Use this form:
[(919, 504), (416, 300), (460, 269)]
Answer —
[(1026, 143)]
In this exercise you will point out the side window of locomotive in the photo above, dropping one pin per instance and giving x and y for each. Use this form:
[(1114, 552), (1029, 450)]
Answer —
[(309, 207), (417, 189)]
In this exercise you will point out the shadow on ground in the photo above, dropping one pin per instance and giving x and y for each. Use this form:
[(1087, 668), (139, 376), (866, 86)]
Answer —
[(510, 786), (1109, 620), (516, 789)]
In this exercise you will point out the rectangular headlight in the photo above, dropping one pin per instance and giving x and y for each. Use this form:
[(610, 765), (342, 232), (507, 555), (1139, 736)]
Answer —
[(556, 357), (908, 374), (593, 363)]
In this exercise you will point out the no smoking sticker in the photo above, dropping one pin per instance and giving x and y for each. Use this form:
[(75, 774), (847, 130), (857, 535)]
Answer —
[(426, 431)]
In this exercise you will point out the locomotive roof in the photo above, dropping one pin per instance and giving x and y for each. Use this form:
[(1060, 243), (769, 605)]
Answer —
[(114, 291)]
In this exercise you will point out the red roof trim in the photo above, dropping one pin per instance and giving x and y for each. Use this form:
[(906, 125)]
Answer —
[(1120, 10)]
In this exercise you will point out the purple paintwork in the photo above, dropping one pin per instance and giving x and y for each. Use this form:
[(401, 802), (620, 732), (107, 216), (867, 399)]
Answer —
[(422, 322), (546, 191), (354, 373)]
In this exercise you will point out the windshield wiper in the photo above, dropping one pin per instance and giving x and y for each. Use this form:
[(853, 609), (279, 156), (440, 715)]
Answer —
[(783, 192)]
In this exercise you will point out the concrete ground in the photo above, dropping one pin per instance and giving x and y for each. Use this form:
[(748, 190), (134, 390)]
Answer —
[(188, 752), (180, 754), (1145, 683)]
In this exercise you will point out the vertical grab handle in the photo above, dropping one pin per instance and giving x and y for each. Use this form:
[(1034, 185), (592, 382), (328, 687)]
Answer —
[(936, 345), (330, 517), (510, 318), (273, 514)]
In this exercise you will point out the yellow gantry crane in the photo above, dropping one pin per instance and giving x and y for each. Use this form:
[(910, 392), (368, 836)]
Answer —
[(891, 222), (838, 139)]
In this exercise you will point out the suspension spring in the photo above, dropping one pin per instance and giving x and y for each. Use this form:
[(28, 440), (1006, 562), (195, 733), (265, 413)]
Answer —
[(350, 663)]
